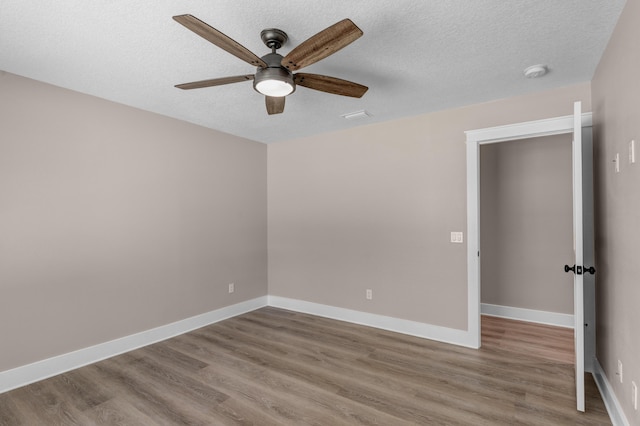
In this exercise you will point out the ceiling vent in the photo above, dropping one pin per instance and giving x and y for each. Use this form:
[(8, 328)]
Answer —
[(356, 115)]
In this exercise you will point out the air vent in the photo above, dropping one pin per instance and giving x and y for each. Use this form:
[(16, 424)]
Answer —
[(356, 115)]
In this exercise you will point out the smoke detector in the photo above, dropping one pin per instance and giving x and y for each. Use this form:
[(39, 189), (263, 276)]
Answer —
[(535, 71)]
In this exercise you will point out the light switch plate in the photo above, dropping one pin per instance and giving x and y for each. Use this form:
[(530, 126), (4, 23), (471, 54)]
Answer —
[(456, 237), (632, 152)]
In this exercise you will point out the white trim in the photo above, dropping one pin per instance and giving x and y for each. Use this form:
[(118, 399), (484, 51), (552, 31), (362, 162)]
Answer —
[(475, 138), (473, 243), (529, 129), (40, 370), (412, 328), (608, 396), (529, 315)]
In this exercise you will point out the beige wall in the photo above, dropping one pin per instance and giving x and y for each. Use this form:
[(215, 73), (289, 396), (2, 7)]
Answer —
[(373, 207), (616, 92), (114, 220), (526, 223)]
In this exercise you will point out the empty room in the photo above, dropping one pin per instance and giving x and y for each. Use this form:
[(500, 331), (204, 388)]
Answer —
[(324, 213)]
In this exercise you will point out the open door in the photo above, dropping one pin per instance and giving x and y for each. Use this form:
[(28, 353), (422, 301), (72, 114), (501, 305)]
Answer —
[(578, 241), (583, 270)]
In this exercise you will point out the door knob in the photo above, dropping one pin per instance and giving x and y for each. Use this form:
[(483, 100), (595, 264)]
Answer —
[(580, 269)]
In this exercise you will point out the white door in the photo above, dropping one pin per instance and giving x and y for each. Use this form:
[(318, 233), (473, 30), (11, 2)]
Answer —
[(578, 278), (583, 269)]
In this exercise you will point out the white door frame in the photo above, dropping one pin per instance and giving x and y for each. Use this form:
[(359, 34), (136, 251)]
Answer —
[(475, 138)]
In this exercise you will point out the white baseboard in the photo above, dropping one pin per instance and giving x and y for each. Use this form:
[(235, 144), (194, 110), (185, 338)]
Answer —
[(608, 396), (40, 370), (30, 373), (530, 315), (413, 328)]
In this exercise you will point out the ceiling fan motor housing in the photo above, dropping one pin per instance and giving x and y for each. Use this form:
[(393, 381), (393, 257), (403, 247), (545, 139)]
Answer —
[(275, 74)]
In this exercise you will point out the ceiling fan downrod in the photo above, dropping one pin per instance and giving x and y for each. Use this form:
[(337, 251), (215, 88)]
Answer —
[(273, 38)]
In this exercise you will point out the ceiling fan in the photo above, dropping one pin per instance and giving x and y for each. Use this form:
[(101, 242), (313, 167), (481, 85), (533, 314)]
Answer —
[(274, 77)]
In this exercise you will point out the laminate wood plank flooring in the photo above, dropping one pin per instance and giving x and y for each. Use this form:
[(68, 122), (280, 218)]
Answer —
[(277, 367), (543, 341)]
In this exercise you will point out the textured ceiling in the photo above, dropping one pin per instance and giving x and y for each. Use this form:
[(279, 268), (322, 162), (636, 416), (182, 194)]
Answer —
[(416, 56)]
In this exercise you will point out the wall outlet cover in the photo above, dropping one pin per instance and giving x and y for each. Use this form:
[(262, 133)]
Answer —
[(456, 237)]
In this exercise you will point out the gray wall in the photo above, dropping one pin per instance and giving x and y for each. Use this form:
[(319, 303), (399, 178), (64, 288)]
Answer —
[(114, 220), (616, 91), (526, 223), (117, 220), (373, 207)]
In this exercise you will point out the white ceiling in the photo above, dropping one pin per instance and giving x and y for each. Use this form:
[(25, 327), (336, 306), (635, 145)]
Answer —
[(416, 56)]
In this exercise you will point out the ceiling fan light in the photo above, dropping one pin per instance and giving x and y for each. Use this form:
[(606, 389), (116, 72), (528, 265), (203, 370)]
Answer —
[(275, 88), (275, 82)]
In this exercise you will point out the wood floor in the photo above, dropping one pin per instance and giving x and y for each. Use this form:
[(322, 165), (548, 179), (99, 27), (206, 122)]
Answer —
[(542, 341), (275, 367)]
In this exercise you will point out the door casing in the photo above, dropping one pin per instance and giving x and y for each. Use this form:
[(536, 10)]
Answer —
[(476, 138)]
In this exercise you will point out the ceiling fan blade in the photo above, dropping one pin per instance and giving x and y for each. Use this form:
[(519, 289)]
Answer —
[(215, 82), (222, 41), (321, 45), (328, 84), (275, 105)]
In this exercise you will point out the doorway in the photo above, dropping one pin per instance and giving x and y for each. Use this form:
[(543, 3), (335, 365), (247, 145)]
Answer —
[(476, 139), (526, 223)]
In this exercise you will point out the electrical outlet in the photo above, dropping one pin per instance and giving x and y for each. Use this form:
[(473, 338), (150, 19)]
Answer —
[(634, 395), (232, 287), (369, 294), (620, 370)]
